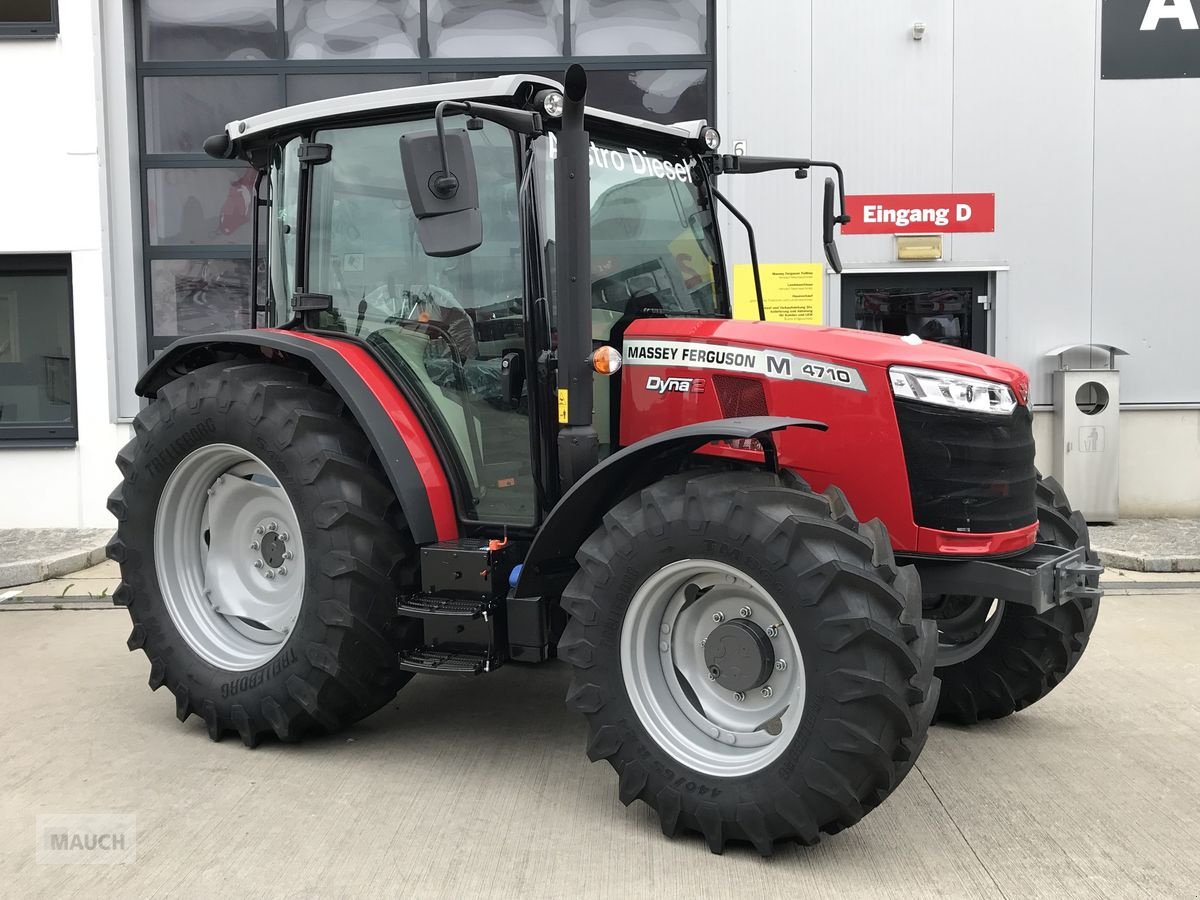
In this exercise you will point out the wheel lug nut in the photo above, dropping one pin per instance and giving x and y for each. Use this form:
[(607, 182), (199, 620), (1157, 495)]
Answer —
[(739, 696), (274, 526), (712, 677), (780, 665), (254, 545), (718, 617), (703, 641), (287, 554), (663, 647), (745, 612), (258, 564), (211, 491), (767, 692), (269, 573), (773, 631), (665, 628), (258, 530), (283, 570)]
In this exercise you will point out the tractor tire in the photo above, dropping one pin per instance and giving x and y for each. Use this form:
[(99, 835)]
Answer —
[(1027, 654), (678, 582), (223, 464)]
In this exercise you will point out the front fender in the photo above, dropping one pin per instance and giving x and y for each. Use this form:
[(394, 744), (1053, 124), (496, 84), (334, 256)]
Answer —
[(580, 511)]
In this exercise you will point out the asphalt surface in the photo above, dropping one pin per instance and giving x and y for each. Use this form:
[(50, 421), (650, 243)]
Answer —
[(480, 788)]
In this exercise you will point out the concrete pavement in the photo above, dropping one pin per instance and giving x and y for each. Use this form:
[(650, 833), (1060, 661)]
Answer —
[(480, 788)]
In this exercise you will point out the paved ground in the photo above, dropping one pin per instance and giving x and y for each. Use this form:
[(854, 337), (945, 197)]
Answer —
[(1150, 545), (481, 789), (32, 554)]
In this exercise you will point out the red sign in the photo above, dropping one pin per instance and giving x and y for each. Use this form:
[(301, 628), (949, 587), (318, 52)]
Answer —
[(920, 213)]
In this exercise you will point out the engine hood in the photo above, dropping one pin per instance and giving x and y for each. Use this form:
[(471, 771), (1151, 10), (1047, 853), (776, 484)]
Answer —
[(846, 345)]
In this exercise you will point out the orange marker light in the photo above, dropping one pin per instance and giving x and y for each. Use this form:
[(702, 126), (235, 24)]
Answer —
[(606, 360)]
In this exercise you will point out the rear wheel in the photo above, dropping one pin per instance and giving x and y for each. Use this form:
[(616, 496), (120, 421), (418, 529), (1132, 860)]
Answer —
[(750, 660), (259, 548), (996, 658)]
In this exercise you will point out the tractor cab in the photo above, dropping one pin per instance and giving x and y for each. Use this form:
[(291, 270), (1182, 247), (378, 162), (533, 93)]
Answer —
[(473, 323)]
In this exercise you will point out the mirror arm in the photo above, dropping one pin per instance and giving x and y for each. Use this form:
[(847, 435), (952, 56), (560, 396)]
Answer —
[(444, 185), (762, 309)]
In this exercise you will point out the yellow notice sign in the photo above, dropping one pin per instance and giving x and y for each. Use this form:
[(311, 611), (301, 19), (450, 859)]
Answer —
[(563, 398), (791, 292)]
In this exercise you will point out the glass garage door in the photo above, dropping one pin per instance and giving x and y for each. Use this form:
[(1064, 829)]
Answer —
[(202, 64)]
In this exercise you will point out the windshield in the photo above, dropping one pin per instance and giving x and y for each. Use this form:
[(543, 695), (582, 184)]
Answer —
[(653, 237)]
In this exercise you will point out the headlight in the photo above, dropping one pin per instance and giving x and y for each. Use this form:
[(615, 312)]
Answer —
[(552, 103), (949, 389), (711, 137)]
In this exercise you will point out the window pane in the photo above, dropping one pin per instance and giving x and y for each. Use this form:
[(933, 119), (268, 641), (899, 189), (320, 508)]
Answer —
[(200, 206), (305, 88), (495, 28), (638, 28), (443, 77), (187, 29), (182, 112), (193, 296), (660, 95), (26, 11), (37, 379), (361, 29), (281, 235), (450, 320)]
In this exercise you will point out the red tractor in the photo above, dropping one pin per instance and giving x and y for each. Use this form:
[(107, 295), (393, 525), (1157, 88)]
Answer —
[(496, 411)]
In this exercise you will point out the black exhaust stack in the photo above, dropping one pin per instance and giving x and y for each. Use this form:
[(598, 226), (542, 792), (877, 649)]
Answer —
[(578, 447)]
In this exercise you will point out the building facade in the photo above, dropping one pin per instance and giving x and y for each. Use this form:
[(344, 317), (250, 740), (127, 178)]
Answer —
[(122, 235)]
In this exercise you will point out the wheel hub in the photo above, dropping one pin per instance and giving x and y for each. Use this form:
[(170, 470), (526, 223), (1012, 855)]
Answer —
[(740, 656), (716, 690), (229, 557), (273, 548)]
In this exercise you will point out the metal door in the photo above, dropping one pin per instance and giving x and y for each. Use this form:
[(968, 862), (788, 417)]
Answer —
[(945, 307)]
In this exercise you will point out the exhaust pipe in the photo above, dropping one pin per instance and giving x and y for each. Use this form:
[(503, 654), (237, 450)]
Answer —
[(578, 446)]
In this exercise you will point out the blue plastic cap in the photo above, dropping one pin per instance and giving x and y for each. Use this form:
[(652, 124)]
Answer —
[(515, 575)]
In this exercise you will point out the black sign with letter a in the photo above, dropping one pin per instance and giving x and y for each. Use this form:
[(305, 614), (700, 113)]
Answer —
[(1150, 39)]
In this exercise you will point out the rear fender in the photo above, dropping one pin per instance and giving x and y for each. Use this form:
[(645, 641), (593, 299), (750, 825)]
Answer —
[(400, 441), (550, 560)]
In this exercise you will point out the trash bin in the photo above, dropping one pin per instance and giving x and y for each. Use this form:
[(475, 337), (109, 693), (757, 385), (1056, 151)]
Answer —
[(1087, 430)]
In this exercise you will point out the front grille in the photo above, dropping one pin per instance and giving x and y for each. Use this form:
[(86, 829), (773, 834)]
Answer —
[(968, 471), (740, 396)]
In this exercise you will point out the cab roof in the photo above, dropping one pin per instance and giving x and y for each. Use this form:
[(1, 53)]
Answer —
[(501, 88)]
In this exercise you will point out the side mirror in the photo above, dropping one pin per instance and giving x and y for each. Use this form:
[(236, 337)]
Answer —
[(443, 187), (828, 221)]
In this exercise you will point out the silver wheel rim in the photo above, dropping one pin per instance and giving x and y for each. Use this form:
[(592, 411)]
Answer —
[(953, 648), (229, 557), (699, 723)]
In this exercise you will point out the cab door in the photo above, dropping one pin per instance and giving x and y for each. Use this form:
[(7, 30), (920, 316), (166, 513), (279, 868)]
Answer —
[(444, 324)]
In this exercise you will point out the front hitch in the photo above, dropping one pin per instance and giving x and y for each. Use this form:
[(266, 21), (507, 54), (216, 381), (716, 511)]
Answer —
[(1043, 577)]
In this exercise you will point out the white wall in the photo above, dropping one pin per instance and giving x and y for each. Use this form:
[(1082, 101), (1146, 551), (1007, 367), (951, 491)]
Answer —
[(1097, 187), (50, 191)]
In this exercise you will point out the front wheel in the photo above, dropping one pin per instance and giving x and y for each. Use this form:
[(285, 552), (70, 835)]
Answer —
[(996, 658), (750, 660)]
